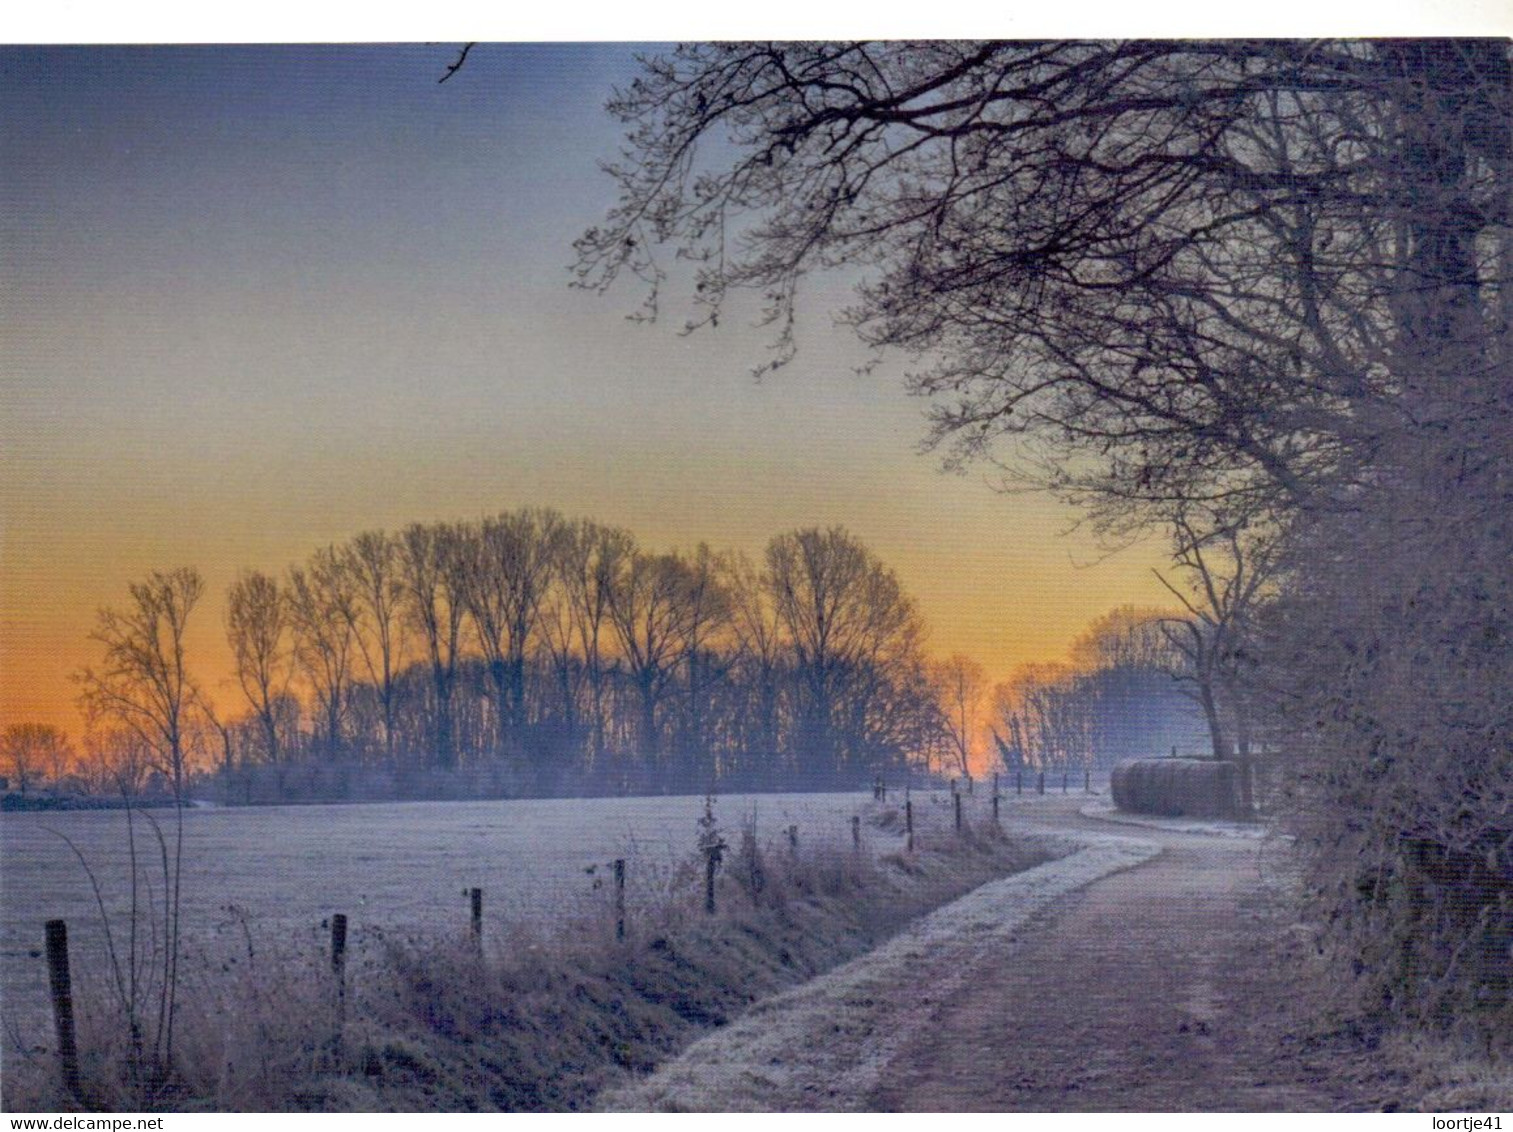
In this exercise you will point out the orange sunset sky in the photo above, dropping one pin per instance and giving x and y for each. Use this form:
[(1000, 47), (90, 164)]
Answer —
[(260, 299)]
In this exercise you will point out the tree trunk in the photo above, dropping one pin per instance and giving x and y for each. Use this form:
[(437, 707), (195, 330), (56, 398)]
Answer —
[(1243, 756), (446, 754), (1211, 714)]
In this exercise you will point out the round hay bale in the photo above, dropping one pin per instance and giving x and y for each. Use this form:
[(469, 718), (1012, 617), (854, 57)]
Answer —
[(1178, 788)]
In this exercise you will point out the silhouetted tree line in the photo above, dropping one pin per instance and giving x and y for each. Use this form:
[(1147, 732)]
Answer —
[(1123, 693), (526, 654), (529, 653)]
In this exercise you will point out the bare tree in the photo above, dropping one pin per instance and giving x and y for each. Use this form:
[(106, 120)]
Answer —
[(847, 619), (34, 752), (320, 602), (704, 662), (144, 687), (650, 609), (762, 656), (1048, 712), (371, 561), (591, 560), (962, 683), (226, 733), (1229, 573), (1178, 260), (1132, 685), (1126, 637), (432, 568), (115, 760), (143, 682), (257, 628), (507, 565)]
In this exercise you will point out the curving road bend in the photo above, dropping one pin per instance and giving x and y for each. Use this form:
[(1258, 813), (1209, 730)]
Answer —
[(1146, 972)]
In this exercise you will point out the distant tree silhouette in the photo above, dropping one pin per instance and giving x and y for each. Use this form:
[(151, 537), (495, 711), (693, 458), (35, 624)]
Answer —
[(322, 616), (962, 685), (1229, 574), (705, 663), (32, 753), (376, 610), (591, 557), (507, 564), (143, 682), (650, 604), (851, 629), (258, 629), (432, 569), (762, 671)]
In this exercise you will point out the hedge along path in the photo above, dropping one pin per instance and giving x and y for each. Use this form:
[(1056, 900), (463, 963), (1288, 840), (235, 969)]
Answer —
[(825, 1045)]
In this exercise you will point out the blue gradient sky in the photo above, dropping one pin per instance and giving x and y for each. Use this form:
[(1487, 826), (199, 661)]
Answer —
[(258, 299)]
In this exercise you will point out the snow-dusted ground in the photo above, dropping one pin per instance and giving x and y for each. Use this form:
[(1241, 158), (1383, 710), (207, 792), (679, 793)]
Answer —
[(824, 1044), (283, 870), (1106, 811)]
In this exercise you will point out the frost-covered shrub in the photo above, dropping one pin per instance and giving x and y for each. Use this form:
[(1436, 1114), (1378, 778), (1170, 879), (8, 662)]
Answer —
[(1390, 658)]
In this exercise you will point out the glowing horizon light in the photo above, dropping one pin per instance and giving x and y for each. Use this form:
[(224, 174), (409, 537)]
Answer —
[(260, 299)]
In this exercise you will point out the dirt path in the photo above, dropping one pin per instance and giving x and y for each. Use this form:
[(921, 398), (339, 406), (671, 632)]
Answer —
[(1160, 987), (1140, 993)]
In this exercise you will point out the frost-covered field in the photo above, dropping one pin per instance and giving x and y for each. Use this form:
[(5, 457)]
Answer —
[(282, 870)]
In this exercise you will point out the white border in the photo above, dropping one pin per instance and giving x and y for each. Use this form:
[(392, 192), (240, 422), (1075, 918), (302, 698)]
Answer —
[(288, 21)]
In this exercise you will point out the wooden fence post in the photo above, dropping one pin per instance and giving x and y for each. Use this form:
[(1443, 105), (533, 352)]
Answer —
[(339, 973), (61, 983), (711, 863), (856, 832), (957, 798), (1065, 775), (995, 803), (339, 944), (1040, 783), (619, 897), (1087, 781), (909, 823), (475, 908), (1019, 782)]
